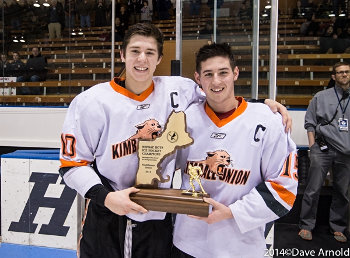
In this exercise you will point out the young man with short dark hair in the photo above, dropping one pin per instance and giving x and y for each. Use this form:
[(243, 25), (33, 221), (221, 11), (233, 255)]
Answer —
[(248, 164)]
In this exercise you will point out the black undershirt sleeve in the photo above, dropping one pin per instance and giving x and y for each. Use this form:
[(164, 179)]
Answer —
[(98, 193)]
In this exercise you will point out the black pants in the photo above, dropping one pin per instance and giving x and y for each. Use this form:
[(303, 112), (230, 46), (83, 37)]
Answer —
[(319, 166), (104, 232)]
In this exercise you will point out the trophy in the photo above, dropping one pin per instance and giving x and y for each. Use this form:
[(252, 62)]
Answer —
[(195, 174), (151, 154)]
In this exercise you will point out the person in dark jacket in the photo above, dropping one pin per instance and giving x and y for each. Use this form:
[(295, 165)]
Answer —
[(134, 9), (100, 14), (16, 68), (55, 18), (85, 8), (36, 70), (4, 65), (69, 11)]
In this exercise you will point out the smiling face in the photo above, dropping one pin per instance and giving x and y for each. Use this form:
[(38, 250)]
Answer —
[(217, 80), (141, 59)]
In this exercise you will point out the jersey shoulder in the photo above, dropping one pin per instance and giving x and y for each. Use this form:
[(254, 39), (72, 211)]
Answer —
[(263, 113), (175, 82), (94, 94)]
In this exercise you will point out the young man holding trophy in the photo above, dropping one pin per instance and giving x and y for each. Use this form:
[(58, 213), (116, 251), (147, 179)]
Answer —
[(248, 165), (99, 158)]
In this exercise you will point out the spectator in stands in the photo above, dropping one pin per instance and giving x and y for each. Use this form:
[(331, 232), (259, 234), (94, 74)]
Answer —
[(310, 8), (342, 43), (119, 30), (163, 8), (134, 10), (4, 63), (16, 68), (210, 4), (13, 14), (195, 6), (55, 18), (123, 17), (84, 8), (323, 9), (310, 27), (298, 11), (36, 70), (327, 124), (33, 19), (245, 11), (69, 12), (327, 40), (146, 15), (118, 35), (100, 14)]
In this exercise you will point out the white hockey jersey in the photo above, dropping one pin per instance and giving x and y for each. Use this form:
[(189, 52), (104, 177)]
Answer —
[(105, 123), (249, 164)]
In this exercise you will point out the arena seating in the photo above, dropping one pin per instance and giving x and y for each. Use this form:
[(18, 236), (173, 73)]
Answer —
[(80, 61)]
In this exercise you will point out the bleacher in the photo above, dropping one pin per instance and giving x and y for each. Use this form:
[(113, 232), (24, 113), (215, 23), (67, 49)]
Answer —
[(77, 62)]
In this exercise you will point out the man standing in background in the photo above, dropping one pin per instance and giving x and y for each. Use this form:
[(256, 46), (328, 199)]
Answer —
[(327, 124), (55, 17)]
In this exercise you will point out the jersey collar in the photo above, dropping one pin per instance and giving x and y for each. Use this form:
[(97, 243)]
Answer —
[(130, 94), (220, 123)]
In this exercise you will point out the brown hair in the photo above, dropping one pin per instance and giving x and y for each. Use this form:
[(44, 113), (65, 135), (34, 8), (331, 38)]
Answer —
[(336, 65), (147, 30), (213, 50)]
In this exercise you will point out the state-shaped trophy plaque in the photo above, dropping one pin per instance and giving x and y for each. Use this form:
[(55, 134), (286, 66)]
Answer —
[(151, 153)]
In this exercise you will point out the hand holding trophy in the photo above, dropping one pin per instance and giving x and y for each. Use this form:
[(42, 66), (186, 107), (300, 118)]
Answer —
[(151, 154)]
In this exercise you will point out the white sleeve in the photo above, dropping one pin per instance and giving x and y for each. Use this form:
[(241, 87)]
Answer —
[(274, 197), (79, 139), (192, 92)]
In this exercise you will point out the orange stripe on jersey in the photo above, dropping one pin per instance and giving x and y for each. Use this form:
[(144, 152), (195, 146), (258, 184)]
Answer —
[(66, 163), (285, 195), (219, 123), (130, 94)]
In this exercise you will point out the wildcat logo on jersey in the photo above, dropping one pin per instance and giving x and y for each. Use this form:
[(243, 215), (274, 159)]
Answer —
[(218, 135), (215, 166), (148, 130), (143, 106)]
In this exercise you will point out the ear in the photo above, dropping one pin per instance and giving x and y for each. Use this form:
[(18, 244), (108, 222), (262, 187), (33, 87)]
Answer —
[(235, 73), (197, 78), (122, 56), (159, 59), (333, 76)]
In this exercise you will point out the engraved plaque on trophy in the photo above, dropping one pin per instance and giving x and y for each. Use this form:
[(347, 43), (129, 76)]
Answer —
[(151, 153)]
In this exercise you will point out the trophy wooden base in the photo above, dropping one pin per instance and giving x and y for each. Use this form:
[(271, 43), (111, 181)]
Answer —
[(172, 201)]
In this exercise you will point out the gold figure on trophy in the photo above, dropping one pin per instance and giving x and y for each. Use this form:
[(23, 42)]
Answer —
[(195, 173)]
